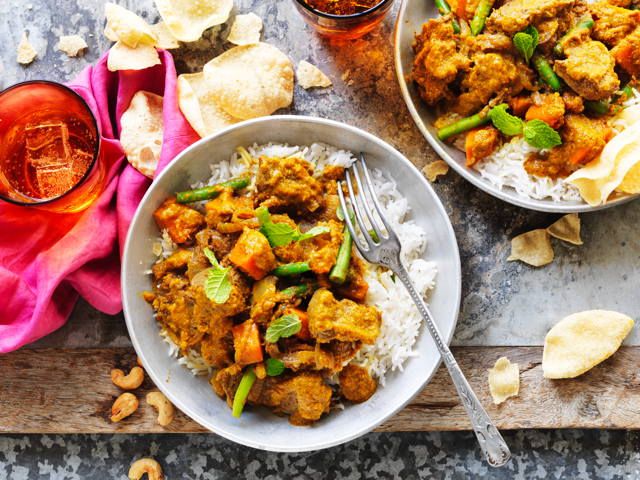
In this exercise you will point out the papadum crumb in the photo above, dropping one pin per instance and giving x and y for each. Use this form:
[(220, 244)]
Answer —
[(26, 52), (532, 247), (567, 229), (310, 76), (504, 380), (432, 170), (72, 45)]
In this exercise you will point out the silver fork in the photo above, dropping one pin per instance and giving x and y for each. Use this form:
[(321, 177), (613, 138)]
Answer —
[(387, 253)]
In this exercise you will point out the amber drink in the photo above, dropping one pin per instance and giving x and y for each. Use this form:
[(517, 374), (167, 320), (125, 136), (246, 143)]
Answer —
[(49, 148), (343, 19)]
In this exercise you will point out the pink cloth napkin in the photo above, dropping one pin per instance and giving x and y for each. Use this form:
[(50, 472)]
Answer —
[(48, 259)]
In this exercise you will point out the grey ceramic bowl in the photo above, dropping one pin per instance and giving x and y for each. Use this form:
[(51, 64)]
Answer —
[(259, 428), (412, 14)]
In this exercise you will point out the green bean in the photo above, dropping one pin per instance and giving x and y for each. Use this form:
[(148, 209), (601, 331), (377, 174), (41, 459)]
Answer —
[(482, 12), (291, 269), (546, 72), (444, 8), (462, 126), (558, 50), (263, 215), (374, 235), (208, 193), (243, 391), (299, 290), (627, 91), (338, 273), (601, 107)]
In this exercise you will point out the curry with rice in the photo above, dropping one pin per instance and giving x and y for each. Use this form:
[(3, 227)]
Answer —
[(266, 288), (549, 70)]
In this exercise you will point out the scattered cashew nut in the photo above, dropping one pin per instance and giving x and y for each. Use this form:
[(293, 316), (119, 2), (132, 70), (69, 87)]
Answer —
[(146, 465), (164, 406), (139, 362), (129, 382), (125, 405)]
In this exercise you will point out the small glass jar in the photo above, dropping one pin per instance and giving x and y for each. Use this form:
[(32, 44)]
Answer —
[(42, 104), (343, 27)]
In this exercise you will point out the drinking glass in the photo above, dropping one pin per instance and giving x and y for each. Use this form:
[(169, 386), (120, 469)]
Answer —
[(49, 148)]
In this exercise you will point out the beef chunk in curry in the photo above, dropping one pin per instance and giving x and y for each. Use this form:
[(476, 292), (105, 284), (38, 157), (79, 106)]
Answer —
[(517, 15), (344, 320), (588, 68), (224, 307), (356, 384), (287, 182)]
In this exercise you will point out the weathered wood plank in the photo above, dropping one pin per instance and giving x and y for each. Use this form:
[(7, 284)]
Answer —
[(70, 391)]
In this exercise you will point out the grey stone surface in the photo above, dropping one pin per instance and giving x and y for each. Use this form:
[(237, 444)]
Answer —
[(538, 454), (503, 303)]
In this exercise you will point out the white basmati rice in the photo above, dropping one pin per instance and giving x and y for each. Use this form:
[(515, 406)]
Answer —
[(400, 317), (505, 167)]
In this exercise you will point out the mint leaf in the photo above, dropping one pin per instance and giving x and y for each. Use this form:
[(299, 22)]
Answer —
[(340, 214), (283, 327), (212, 258), (278, 234), (274, 367), (506, 123), (217, 285), (526, 41), (317, 230), (540, 135)]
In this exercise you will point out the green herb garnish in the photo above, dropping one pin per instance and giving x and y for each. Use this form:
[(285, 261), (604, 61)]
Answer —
[(217, 286), (526, 41), (535, 132), (340, 214), (506, 123), (281, 234), (540, 135), (274, 367), (283, 327)]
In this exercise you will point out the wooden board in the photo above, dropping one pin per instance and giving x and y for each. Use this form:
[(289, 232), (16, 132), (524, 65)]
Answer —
[(70, 391)]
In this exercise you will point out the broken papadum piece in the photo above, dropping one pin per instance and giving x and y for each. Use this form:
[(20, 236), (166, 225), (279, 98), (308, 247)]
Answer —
[(127, 26), (432, 170), (142, 132), (581, 341), (166, 40), (310, 76), (72, 45), (199, 107), (504, 380), (187, 19), (123, 57), (26, 52), (567, 229), (245, 30), (250, 81), (532, 248)]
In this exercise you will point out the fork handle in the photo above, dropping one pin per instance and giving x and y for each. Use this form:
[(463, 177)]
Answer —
[(491, 442)]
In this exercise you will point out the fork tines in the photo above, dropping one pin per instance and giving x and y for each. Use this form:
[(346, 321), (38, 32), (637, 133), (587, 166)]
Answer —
[(370, 243)]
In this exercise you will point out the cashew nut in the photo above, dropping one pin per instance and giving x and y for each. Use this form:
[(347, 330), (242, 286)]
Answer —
[(164, 406), (146, 465), (125, 405), (139, 362), (131, 381)]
